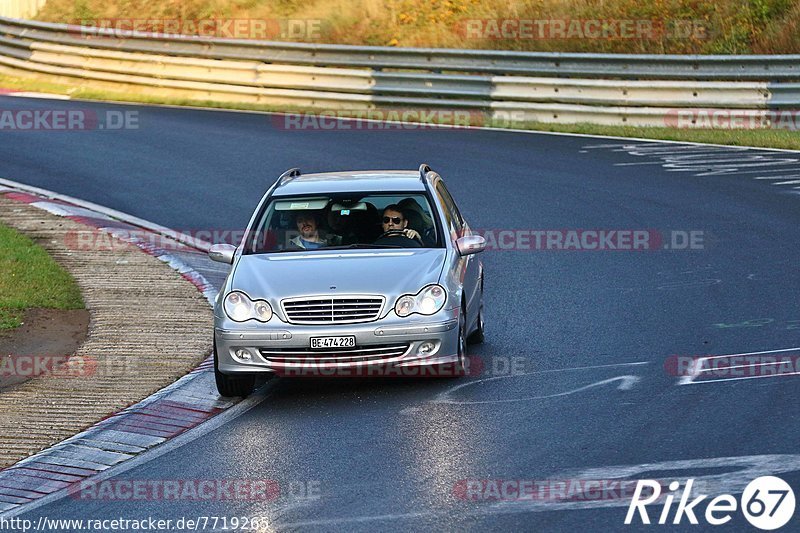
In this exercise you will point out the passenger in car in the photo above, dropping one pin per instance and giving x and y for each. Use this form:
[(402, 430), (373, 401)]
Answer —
[(308, 225)]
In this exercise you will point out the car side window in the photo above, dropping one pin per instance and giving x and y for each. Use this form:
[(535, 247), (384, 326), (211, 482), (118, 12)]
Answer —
[(451, 212), (448, 215)]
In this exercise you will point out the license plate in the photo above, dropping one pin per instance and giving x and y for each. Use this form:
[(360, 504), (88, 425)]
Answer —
[(344, 341)]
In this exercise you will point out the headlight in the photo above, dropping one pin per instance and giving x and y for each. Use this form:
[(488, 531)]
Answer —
[(426, 302), (239, 307)]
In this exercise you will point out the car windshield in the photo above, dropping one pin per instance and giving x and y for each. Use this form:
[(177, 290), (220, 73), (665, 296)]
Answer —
[(341, 221)]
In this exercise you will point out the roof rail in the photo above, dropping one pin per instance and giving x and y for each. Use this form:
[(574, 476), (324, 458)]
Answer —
[(424, 168), (288, 176)]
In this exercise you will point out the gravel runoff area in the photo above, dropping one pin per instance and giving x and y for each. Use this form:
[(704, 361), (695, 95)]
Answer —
[(149, 326)]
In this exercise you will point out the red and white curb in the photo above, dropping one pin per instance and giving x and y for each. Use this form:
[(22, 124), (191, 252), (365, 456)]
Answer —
[(183, 405)]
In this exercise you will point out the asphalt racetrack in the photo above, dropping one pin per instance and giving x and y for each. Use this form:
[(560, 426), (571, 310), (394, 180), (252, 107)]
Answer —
[(579, 379)]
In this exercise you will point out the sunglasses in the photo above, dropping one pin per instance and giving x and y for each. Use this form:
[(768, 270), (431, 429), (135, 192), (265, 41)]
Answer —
[(396, 220)]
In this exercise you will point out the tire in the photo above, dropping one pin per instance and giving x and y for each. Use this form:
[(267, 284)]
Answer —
[(478, 336), (461, 365), (231, 386)]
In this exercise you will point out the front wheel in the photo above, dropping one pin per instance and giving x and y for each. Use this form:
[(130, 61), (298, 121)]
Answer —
[(230, 386), (478, 336), (461, 365)]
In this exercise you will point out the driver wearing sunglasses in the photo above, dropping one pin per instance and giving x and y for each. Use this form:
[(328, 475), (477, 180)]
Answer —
[(395, 224)]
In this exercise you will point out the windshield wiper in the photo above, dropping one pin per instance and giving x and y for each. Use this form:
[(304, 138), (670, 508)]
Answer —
[(287, 250), (358, 246), (325, 248)]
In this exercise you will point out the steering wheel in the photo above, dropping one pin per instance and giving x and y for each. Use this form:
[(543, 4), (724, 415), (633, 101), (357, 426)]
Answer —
[(393, 233), (400, 233)]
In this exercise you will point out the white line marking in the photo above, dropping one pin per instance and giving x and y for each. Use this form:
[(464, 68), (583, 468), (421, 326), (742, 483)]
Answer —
[(774, 363), (769, 170), (639, 163), (752, 353), (739, 471), (627, 382), (720, 380), (722, 162), (695, 367), (687, 159)]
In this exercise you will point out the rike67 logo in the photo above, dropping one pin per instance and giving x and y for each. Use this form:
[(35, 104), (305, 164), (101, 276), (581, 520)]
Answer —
[(767, 503)]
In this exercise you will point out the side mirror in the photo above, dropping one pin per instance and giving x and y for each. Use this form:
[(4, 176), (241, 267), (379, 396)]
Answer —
[(222, 253), (471, 244)]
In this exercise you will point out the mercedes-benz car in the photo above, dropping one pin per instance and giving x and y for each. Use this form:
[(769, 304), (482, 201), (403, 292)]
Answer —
[(366, 273)]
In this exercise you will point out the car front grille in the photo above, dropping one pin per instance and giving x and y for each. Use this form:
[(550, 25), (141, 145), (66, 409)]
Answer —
[(333, 310), (339, 355)]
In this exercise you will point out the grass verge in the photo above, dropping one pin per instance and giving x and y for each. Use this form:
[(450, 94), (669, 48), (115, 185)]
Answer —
[(763, 138), (30, 278)]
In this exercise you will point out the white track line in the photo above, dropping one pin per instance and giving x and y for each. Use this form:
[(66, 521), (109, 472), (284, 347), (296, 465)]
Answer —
[(720, 380), (695, 368), (442, 397)]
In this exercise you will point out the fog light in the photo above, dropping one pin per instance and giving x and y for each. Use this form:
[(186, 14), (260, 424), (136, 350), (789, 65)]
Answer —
[(426, 348), (243, 355)]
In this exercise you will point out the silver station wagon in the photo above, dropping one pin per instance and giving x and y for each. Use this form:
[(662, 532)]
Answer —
[(368, 273)]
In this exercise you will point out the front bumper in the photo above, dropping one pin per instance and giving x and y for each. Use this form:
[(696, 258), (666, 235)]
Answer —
[(284, 349)]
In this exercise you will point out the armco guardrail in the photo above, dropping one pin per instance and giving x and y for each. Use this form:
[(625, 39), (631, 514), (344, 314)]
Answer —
[(549, 87)]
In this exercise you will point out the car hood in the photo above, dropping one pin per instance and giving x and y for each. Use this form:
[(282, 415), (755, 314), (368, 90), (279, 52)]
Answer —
[(390, 273)]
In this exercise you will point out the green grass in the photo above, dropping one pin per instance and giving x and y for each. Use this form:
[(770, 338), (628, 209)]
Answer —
[(30, 84), (30, 278), (786, 139), (764, 138)]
